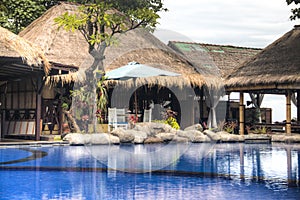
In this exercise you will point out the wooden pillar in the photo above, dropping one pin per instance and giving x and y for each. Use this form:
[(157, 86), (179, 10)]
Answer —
[(242, 114), (228, 108), (201, 103), (2, 123), (298, 106), (288, 128), (38, 109)]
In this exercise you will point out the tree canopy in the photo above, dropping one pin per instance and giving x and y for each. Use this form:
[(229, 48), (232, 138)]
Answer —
[(101, 20), (295, 11), (17, 14)]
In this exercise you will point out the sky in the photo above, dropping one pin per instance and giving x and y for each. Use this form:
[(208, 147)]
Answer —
[(245, 23)]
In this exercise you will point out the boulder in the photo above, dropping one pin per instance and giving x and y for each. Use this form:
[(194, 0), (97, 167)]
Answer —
[(114, 139), (144, 128), (201, 139), (139, 136), (100, 138), (212, 135), (286, 139), (125, 136), (151, 140), (166, 137), (190, 134), (76, 139), (227, 137), (178, 139), (197, 127), (152, 129)]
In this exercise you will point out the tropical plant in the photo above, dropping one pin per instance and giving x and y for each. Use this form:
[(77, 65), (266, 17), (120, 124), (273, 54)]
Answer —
[(102, 99), (99, 22), (230, 126), (295, 11)]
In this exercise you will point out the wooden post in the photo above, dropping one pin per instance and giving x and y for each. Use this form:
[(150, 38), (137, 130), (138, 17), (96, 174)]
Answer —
[(228, 108), (288, 128), (38, 109), (298, 106), (242, 114), (2, 123), (201, 104)]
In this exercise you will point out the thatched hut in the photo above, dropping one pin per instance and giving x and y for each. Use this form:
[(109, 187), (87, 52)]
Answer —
[(219, 61), (70, 48), (275, 70), (23, 65)]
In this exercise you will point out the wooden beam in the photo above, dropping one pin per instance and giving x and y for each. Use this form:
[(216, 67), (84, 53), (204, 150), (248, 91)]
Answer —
[(38, 109), (298, 106), (288, 128), (242, 114)]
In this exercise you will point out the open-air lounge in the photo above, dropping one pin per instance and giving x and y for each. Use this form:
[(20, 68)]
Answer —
[(201, 70)]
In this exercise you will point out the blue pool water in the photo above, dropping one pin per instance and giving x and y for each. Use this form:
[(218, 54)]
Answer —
[(173, 171)]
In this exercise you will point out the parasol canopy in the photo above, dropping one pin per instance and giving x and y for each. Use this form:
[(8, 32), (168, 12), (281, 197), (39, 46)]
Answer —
[(136, 70)]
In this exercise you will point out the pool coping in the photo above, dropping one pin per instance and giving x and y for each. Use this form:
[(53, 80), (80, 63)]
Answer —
[(12, 142)]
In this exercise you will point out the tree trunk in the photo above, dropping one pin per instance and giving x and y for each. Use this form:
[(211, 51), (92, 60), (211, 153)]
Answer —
[(72, 122), (91, 78)]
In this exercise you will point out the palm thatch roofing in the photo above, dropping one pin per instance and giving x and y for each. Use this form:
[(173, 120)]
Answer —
[(275, 68), (220, 60), (70, 48), (19, 57)]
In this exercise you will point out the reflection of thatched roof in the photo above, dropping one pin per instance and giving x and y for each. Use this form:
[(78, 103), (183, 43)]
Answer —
[(70, 48), (276, 67), (18, 56), (220, 60)]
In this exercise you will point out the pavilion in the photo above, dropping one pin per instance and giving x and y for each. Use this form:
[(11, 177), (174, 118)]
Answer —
[(275, 70)]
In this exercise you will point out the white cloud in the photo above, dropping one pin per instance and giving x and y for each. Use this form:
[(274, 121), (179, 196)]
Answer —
[(235, 22), (255, 23)]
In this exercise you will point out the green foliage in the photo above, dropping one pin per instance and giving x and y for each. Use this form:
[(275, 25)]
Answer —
[(172, 122), (295, 11), (102, 95), (230, 126), (260, 130), (99, 21), (17, 14)]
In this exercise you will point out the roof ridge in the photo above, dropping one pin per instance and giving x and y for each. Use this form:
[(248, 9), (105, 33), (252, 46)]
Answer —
[(216, 45)]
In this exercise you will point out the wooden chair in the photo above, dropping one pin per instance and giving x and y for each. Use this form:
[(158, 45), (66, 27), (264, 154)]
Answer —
[(116, 118)]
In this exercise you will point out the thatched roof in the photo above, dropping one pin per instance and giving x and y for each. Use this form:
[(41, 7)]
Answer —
[(70, 48), (19, 57), (220, 60), (276, 67)]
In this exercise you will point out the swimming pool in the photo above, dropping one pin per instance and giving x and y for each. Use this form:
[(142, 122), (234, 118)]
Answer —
[(157, 171)]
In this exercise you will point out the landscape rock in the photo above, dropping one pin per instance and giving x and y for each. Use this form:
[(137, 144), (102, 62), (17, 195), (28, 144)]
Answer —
[(201, 139), (227, 137), (197, 127), (76, 139), (178, 139), (212, 135), (139, 136), (151, 140), (286, 139), (166, 137), (125, 136), (190, 134), (101, 138)]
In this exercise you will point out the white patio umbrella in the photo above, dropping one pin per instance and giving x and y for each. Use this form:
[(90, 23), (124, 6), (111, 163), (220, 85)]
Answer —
[(137, 70)]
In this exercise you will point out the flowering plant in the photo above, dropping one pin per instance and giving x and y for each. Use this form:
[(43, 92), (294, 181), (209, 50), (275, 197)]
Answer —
[(132, 119)]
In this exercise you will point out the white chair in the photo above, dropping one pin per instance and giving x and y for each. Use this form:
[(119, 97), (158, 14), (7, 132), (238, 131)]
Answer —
[(116, 118), (147, 115)]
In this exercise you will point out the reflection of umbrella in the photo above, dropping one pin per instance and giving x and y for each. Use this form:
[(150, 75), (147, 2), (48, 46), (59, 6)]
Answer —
[(136, 70)]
